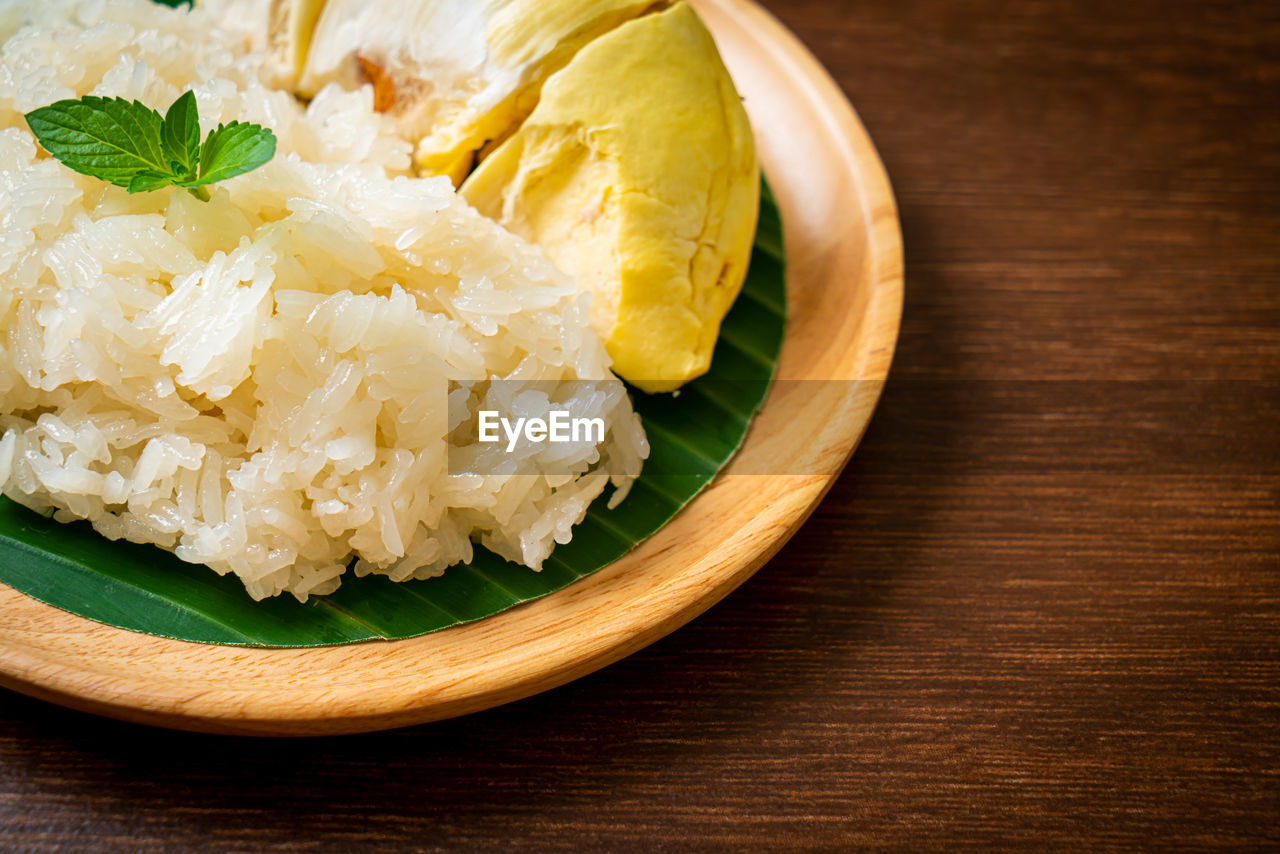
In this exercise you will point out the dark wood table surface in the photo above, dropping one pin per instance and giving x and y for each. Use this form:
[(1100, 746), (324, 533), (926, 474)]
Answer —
[(1040, 609)]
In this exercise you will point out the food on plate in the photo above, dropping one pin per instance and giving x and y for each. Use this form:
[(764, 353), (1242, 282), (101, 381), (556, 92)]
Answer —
[(263, 329), (609, 133)]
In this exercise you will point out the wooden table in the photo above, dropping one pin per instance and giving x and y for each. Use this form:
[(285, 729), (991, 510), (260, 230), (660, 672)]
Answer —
[(1042, 606)]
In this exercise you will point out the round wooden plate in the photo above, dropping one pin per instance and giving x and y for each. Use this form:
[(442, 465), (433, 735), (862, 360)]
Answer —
[(844, 281)]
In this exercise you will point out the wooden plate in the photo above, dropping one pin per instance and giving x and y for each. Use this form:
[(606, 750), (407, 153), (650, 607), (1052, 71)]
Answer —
[(845, 298)]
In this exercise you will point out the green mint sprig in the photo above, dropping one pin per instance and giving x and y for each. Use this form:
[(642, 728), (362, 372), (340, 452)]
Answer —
[(129, 144)]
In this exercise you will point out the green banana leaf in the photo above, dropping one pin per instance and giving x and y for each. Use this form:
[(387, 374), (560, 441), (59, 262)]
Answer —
[(692, 435)]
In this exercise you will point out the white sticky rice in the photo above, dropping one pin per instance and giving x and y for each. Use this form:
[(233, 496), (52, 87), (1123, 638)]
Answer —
[(259, 383)]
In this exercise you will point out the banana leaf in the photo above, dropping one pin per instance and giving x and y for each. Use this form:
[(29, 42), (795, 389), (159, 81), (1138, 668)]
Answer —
[(692, 436)]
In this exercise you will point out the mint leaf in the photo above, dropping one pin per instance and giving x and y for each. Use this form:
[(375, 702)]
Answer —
[(107, 138), (234, 149), (181, 135), (129, 144)]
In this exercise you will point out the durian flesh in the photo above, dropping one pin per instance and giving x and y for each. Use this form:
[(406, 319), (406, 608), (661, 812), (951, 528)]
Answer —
[(454, 73), (637, 174)]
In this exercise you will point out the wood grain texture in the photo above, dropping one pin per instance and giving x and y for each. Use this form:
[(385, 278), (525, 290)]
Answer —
[(844, 279), (1030, 614)]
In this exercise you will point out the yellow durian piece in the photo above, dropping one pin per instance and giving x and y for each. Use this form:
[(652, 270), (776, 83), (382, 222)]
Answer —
[(637, 174)]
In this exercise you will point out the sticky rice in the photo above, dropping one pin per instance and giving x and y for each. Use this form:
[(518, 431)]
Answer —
[(273, 383)]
